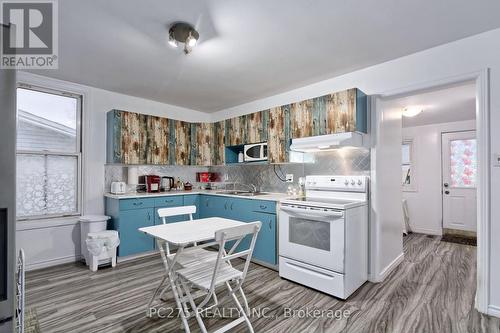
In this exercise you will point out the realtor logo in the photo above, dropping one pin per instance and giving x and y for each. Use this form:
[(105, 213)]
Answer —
[(31, 40)]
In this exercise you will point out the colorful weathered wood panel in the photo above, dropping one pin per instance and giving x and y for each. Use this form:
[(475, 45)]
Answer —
[(133, 138), (182, 143), (319, 116), (157, 133), (202, 144), (236, 129), (114, 137), (341, 111), (302, 118), (278, 134), (257, 124), (218, 142)]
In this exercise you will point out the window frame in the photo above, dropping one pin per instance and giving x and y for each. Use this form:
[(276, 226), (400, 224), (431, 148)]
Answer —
[(78, 153), (412, 187)]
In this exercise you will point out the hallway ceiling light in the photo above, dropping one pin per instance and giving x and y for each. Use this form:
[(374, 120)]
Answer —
[(183, 33), (412, 111)]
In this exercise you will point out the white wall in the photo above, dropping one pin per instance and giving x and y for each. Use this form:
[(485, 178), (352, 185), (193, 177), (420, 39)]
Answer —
[(386, 215), (54, 241), (427, 156), (461, 57)]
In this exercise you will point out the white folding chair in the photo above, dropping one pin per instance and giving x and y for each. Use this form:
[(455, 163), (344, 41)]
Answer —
[(189, 256), (205, 277)]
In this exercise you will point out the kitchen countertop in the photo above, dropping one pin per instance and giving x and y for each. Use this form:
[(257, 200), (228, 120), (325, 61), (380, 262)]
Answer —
[(269, 196)]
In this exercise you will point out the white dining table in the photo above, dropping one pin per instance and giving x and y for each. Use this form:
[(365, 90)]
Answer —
[(183, 234)]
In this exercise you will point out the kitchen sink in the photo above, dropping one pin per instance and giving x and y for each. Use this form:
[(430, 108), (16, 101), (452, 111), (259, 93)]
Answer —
[(232, 192), (242, 193), (252, 194)]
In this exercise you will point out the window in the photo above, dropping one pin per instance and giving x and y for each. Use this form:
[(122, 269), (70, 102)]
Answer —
[(463, 163), (408, 166), (48, 153)]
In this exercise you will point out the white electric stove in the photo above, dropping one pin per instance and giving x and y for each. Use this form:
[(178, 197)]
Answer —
[(323, 237)]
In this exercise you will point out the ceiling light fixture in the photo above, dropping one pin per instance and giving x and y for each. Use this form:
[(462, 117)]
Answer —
[(412, 111), (182, 32)]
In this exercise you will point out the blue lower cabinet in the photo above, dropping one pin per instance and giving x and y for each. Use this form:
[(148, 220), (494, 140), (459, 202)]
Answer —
[(167, 202), (213, 206), (132, 241), (265, 247), (193, 200)]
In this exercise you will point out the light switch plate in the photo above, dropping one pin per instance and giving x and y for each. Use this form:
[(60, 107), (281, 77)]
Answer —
[(496, 160), (289, 177)]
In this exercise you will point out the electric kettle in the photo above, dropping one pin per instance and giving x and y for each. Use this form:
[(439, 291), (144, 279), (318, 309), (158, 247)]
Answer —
[(167, 183)]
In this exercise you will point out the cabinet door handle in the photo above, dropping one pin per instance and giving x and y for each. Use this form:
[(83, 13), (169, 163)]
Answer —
[(149, 216), (225, 205), (263, 207), (270, 224), (138, 203), (232, 203), (169, 200)]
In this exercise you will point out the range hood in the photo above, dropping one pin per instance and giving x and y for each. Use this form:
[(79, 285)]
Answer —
[(327, 142)]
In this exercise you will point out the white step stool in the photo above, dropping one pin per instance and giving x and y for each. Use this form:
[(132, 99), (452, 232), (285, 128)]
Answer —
[(101, 247)]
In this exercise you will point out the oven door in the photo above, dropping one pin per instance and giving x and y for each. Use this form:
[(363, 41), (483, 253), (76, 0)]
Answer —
[(312, 235)]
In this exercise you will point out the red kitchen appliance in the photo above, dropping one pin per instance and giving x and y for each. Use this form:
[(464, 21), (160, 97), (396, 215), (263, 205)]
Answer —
[(152, 183), (207, 177)]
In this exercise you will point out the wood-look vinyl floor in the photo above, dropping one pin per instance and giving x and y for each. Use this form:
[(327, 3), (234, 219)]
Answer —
[(431, 291)]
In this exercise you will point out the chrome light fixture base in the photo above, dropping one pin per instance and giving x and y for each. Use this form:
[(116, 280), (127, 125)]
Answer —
[(182, 32)]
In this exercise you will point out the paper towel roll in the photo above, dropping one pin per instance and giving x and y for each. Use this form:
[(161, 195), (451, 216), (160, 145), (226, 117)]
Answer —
[(133, 177)]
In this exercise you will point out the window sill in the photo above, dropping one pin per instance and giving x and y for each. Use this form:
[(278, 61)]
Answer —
[(43, 223)]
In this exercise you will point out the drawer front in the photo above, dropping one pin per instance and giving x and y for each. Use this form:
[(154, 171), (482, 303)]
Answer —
[(126, 204), (264, 206), (169, 201), (320, 279)]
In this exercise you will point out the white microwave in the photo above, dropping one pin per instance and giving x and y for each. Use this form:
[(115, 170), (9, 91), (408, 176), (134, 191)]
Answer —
[(255, 152)]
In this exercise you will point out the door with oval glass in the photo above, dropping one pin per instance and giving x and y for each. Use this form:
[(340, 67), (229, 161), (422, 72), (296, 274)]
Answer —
[(459, 163)]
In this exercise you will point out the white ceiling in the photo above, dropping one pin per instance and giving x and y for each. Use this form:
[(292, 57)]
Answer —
[(445, 105), (248, 49)]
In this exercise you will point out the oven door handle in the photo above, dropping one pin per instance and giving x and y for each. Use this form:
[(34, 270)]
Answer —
[(311, 212)]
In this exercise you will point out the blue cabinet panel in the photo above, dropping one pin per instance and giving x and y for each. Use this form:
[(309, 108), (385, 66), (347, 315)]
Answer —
[(167, 202), (132, 241), (193, 200), (213, 206), (264, 206), (265, 247), (136, 203)]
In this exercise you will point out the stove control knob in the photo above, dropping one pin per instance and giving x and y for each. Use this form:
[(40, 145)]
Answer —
[(346, 182), (360, 182), (353, 182)]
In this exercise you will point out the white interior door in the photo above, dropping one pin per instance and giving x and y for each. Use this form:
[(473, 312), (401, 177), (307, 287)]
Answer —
[(459, 154)]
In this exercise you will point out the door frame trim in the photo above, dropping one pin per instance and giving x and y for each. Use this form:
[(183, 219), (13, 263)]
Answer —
[(482, 81)]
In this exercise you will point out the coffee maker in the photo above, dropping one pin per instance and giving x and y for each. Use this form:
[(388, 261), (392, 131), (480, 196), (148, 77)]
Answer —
[(152, 183)]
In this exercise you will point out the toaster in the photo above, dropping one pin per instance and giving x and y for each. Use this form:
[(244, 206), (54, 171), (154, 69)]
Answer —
[(118, 187)]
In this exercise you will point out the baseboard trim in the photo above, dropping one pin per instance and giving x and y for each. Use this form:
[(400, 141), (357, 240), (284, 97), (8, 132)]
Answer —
[(436, 232), (136, 256), (494, 311), (387, 270), (52, 262)]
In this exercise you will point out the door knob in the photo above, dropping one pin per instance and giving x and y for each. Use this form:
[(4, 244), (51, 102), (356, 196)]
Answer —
[(445, 185), (446, 192)]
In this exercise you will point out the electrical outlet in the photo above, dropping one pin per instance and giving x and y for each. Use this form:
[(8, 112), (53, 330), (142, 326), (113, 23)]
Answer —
[(496, 160), (226, 177), (289, 177)]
